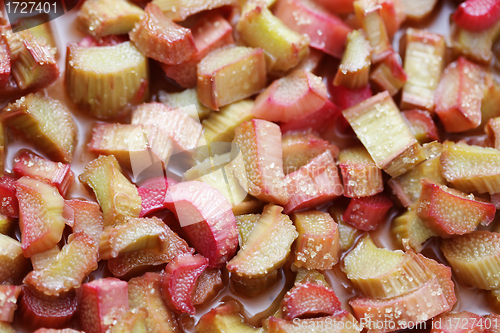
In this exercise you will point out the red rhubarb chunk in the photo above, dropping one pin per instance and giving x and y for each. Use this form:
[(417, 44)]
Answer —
[(110, 40), (207, 219), (309, 300), (58, 174), (476, 15), (421, 125), (317, 121), (46, 311), (367, 213), (10, 205), (152, 193), (84, 216), (102, 302), (179, 280), (344, 97), (8, 300), (4, 63)]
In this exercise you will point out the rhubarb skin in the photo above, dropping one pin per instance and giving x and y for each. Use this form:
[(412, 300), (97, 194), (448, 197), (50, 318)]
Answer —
[(338, 6), (258, 27), (345, 98), (207, 286), (389, 74), (224, 318), (14, 264), (259, 143), (40, 215), (367, 213), (104, 41), (5, 67), (33, 165), (10, 206), (474, 258), (38, 310), (347, 234), (180, 10), (292, 97), (458, 96), (209, 225), (475, 45), (299, 148), (157, 37), (52, 330), (318, 121), (102, 18), (355, 65), (84, 216), (318, 244), (360, 175), (179, 279), (46, 123), (308, 300), (314, 184), (8, 300), (152, 195), (104, 176), (410, 230), (101, 303), (423, 63), (458, 322), (341, 322), (241, 74), (211, 33), (422, 125), (450, 212), (474, 15), (326, 31), (145, 292), (75, 261)]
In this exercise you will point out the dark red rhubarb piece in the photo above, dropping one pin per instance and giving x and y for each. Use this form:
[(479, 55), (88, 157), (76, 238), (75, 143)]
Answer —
[(8, 300), (476, 15), (4, 62), (10, 205), (421, 125), (110, 40), (367, 213), (152, 193), (308, 300)]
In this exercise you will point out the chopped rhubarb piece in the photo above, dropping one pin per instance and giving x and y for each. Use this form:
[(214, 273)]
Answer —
[(33, 165), (347, 234), (179, 10), (443, 274), (14, 264), (368, 213), (345, 98), (310, 276), (253, 287), (134, 263), (493, 298), (475, 45), (6, 328), (7, 224), (360, 175), (314, 184), (5, 66), (42, 259), (424, 60), (474, 258), (403, 311), (493, 130), (389, 141), (8, 300), (468, 322), (108, 17), (410, 229), (84, 216), (117, 197), (267, 246), (208, 224), (318, 244), (477, 15), (389, 74), (447, 211), (40, 215), (291, 97), (421, 125), (135, 234), (381, 273), (157, 37), (38, 310), (259, 143), (52, 330), (338, 6), (75, 261), (341, 322), (121, 72), (471, 168), (178, 100), (459, 95), (10, 205), (179, 279), (370, 16), (393, 14), (46, 123), (209, 34), (299, 148), (258, 27), (418, 11), (245, 225), (207, 286), (132, 321), (224, 318), (326, 30), (307, 300), (152, 194), (355, 66), (104, 41), (317, 121), (230, 74), (102, 302), (145, 292)]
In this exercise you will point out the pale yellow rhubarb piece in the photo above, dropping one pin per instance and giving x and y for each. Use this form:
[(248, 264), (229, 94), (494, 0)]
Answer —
[(224, 319), (355, 65), (386, 136), (347, 233), (42, 259), (475, 258), (310, 276), (106, 80), (44, 30), (491, 100), (6, 327), (475, 45), (418, 10), (381, 273), (116, 195), (108, 17), (424, 61), (179, 10), (471, 168), (410, 229), (258, 27), (14, 264), (133, 321), (252, 287), (185, 98), (230, 74), (318, 244), (46, 123), (7, 225)]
